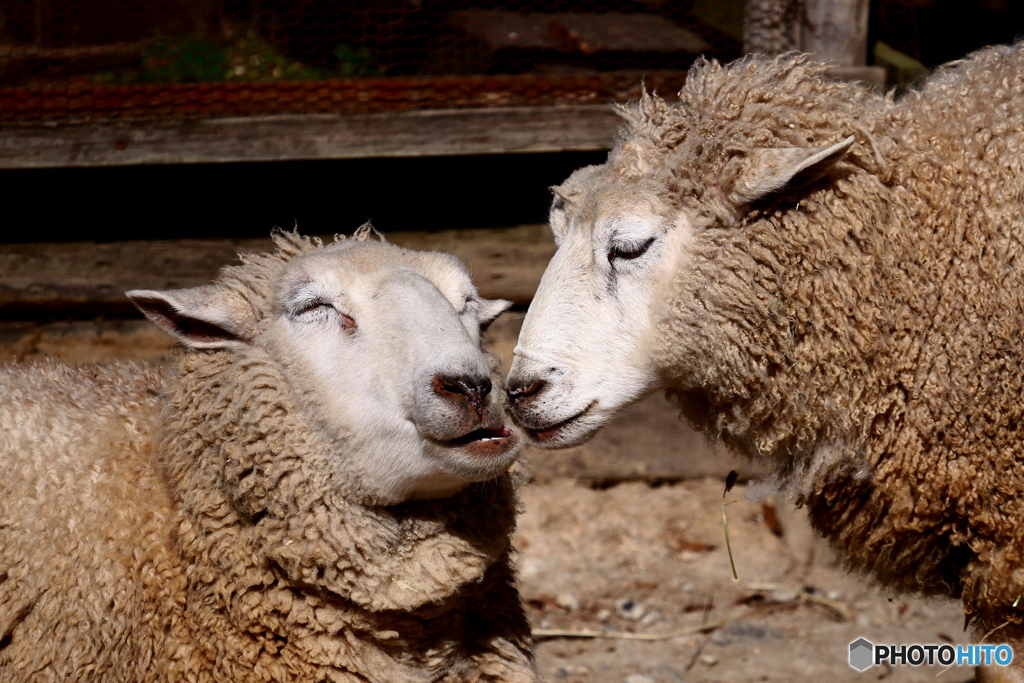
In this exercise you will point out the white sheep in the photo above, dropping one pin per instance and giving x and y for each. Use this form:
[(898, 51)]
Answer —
[(827, 280), (320, 492)]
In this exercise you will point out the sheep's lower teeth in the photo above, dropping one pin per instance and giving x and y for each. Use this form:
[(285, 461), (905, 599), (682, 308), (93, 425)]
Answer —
[(481, 435)]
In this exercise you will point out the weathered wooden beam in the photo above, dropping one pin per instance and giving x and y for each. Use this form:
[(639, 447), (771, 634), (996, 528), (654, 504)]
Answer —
[(499, 130), (40, 279)]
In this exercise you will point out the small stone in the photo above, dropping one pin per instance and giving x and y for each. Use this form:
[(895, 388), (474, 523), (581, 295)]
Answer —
[(560, 672), (567, 601), (639, 678), (720, 638), (651, 618), (708, 659), (603, 615), (630, 609)]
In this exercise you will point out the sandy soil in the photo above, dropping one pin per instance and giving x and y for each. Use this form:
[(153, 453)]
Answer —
[(642, 559)]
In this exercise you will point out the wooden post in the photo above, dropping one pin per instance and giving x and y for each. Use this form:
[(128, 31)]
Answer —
[(837, 30)]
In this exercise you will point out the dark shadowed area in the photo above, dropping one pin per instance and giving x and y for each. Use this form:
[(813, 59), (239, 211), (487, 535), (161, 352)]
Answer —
[(247, 200)]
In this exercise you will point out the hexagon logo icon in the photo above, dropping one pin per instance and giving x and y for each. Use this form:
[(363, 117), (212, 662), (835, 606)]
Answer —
[(861, 654)]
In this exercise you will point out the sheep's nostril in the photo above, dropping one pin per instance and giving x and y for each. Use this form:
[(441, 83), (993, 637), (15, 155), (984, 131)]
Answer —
[(521, 390), (475, 389)]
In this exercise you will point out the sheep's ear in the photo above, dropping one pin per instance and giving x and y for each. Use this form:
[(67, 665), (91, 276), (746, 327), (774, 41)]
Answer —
[(206, 317), (769, 170), (556, 216), (490, 309)]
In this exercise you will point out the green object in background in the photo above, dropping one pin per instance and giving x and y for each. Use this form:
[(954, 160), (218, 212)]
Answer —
[(189, 59), (901, 69), (183, 60), (356, 62), (195, 58)]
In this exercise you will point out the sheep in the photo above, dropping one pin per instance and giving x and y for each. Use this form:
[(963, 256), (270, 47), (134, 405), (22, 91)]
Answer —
[(825, 279), (321, 491)]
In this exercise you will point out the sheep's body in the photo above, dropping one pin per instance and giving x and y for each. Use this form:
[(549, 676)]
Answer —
[(189, 526), (863, 334)]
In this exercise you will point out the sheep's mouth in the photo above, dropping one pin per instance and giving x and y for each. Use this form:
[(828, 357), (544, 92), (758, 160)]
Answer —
[(544, 435), (482, 435), (483, 442)]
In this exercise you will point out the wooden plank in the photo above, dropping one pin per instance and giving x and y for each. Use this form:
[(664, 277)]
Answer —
[(499, 130), (85, 341), (90, 278)]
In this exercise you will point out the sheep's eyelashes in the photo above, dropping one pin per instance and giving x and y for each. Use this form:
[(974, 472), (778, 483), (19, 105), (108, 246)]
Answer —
[(629, 251), (317, 311)]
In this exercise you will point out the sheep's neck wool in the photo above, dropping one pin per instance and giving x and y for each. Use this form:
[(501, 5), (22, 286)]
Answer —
[(381, 570)]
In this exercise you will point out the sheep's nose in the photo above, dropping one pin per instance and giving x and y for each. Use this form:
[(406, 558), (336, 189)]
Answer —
[(520, 389), (474, 389)]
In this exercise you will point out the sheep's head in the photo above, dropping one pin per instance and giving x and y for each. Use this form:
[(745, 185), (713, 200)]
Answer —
[(626, 229), (381, 350)]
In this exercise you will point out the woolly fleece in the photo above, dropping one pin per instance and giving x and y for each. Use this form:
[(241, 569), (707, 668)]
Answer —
[(865, 333), (178, 526)]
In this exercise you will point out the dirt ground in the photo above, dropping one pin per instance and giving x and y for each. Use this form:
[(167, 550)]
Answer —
[(651, 560)]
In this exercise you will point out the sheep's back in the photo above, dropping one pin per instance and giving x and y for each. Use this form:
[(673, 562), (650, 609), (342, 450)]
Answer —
[(82, 514), (947, 450)]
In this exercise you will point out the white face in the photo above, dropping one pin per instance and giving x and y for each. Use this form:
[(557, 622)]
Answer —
[(581, 353), (391, 351), (381, 347)]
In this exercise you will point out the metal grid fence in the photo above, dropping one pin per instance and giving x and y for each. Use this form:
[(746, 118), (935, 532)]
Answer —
[(89, 60)]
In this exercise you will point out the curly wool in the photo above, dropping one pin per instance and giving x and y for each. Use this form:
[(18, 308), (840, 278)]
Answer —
[(194, 527), (865, 335)]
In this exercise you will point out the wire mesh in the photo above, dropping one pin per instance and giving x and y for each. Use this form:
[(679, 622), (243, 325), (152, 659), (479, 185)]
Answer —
[(86, 60)]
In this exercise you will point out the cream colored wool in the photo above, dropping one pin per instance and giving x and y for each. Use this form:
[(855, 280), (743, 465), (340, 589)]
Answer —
[(184, 526), (863, 334)]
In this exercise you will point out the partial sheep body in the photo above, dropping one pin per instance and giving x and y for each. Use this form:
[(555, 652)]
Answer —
[(827, 280), (201, 525)]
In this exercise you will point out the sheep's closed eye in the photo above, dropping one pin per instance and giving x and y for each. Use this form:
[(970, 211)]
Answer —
[(319, 310), (627, 251)]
